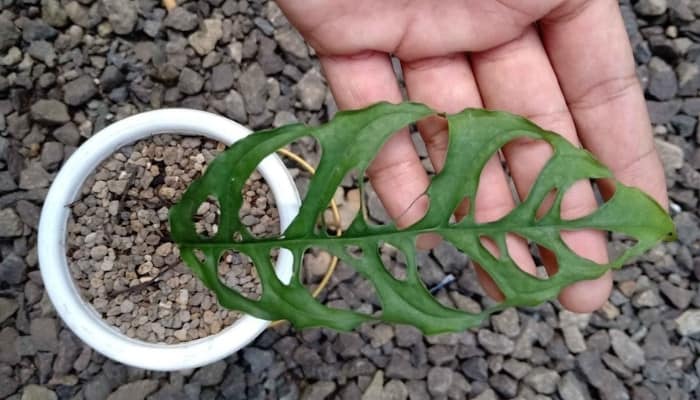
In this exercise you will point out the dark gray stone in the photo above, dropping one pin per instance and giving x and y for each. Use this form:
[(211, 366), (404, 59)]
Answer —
[(504, 385), (442, 354), (571, 388), (542, 380), (684, 125), (688, 78), (29, 213), (495, 343), (210, 375), (53, 13), (98, 388), (507, 322), (348, 344), (111, 78), (44, 333), (79, 15), (8, 346), (67, 134), (222, 77), (51, 155), (69, 348), (311, 90), (690, 177), (7, 183), (36, 392), (10, 224), (50, 112), (319, 390), (407, 336), (181, 19), (79, 91), (687, 226), (234, 107), (661, 112), (253, 88), (204, 40), (475, 368), (12, 269), (43, 51), (138, 390), (651, 8), (663, 84), (400, 367), (234, 385), (691, 106), (8, 33), (122, 15), (37, 29), (291, 42), (259, 360), (627, 350), (34, 177), (439, 380), (608, 385), (679, 297), (169, 392), (8, 307), (358, 367), (656, 343), (190, 82)]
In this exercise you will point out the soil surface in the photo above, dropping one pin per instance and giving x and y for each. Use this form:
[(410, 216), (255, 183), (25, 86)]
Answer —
[(121, 254)]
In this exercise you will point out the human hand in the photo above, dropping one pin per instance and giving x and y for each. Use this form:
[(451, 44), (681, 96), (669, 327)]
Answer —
[(564, 64)]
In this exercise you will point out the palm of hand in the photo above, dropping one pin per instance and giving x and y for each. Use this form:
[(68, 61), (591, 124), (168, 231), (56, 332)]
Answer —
[(565, 64)]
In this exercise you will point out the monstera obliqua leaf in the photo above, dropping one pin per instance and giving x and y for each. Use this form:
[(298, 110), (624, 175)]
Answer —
[(350, 142)]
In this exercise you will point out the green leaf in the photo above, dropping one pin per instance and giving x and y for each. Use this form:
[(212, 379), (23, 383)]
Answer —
[(350, 141)]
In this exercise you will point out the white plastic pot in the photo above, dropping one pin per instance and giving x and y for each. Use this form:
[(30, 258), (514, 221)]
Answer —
[(80, 317)]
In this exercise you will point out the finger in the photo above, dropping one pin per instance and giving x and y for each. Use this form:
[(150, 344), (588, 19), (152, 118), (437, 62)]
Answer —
[(396, 173), (590, 52), (447, 84), (517, 77)]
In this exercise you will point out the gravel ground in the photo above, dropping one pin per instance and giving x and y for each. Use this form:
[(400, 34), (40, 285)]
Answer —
[(70, 67)]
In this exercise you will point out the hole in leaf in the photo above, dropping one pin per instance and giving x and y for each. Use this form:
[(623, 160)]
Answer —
[(354, 251), (429, 270), (546, 204), (445, 273), (520, 251), (200, 255), (394, 260), (578, 201), (495, 195), (236, 270), (618, 243), (490, 246), (306, 153), (420, 145), (525, 158), (376, 212), (347, 203), (316, 264), (206, 219), (591, 244), (351, 291), (451, 259), (258, 211), (461, 211)]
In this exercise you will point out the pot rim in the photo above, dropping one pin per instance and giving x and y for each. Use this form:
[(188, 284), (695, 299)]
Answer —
[(78, 315)]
